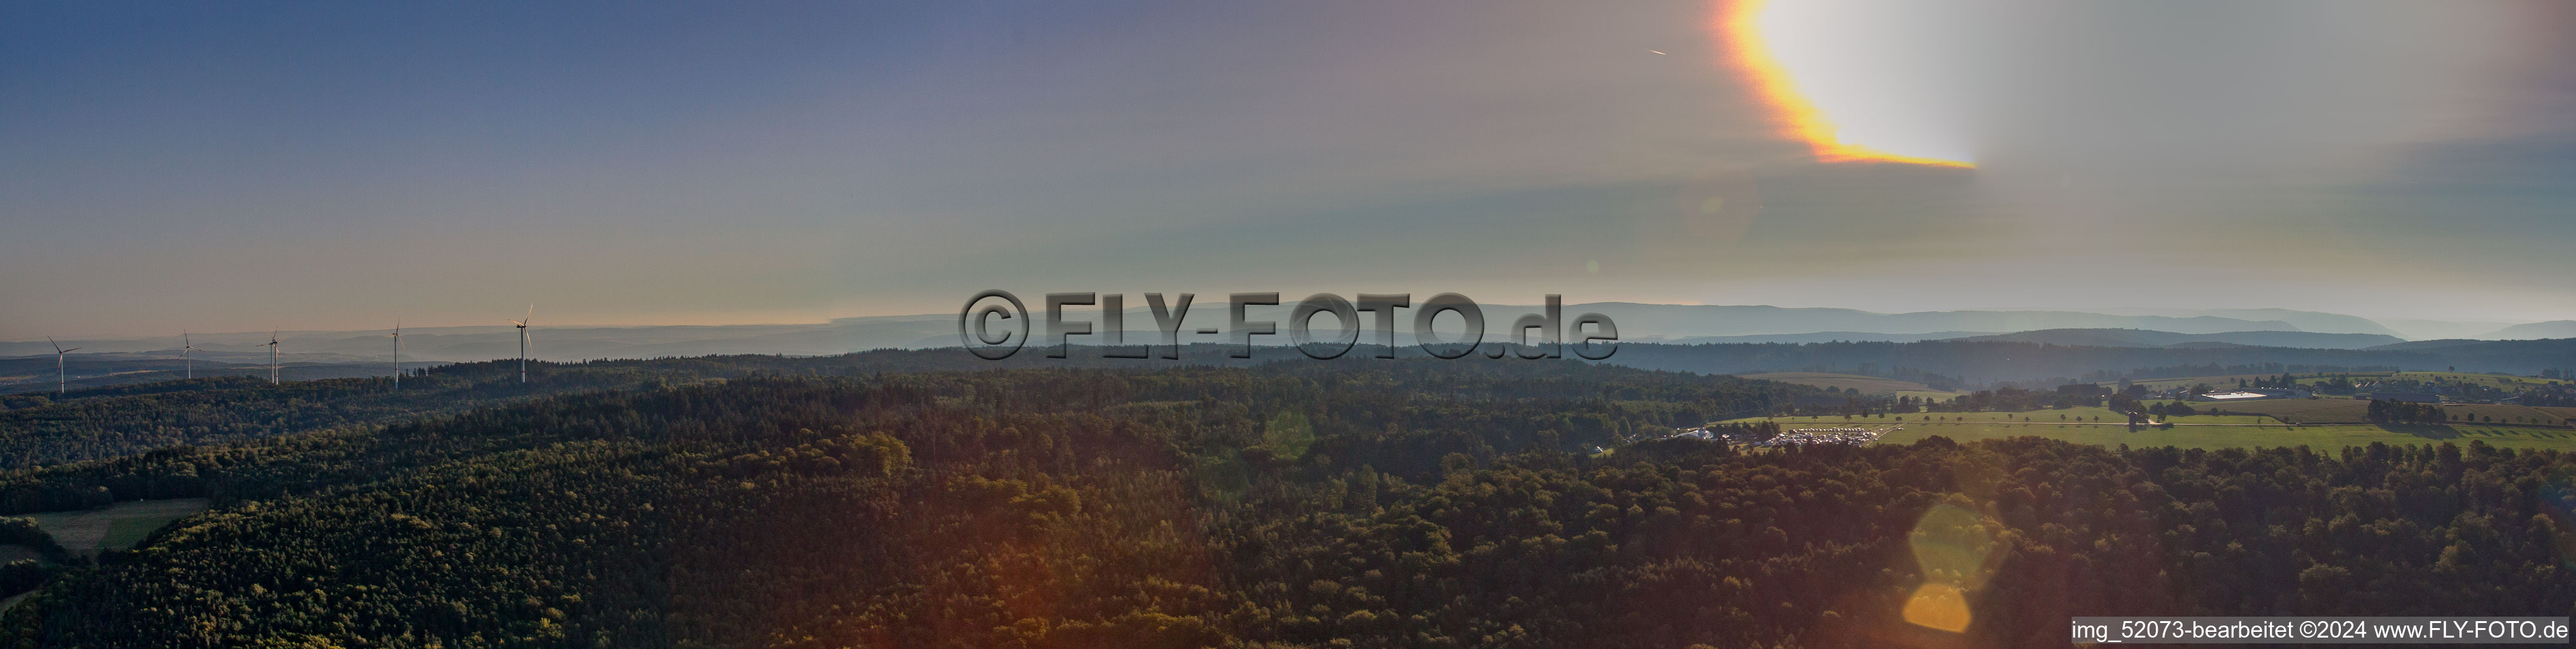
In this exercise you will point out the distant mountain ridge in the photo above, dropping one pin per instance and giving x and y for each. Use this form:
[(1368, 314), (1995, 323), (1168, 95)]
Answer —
[(2145, 338), (1678, 321), (2535, 331), (1821, 337), (2311, 321)]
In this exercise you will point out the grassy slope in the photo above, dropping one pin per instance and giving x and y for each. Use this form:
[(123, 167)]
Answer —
[(2506, 382), (1865, 384), (2495, 380), (2198, 431), (2350, 411), (2228, 381)]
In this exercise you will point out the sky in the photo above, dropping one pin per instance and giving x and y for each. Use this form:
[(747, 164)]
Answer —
[(318, 166)]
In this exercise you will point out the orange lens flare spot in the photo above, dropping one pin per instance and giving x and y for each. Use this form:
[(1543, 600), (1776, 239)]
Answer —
[(1938, 606), (1745, 48), (1955, 550)]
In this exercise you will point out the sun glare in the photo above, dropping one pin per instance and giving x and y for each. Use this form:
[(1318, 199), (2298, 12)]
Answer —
[(1747, 48)]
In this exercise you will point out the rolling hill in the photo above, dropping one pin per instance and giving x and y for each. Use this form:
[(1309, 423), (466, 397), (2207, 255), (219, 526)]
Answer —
[(2145, 338), (1865, 384), (2536, 330)]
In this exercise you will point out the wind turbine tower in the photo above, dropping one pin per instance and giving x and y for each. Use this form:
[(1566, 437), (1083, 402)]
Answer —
[(522, 324), (58, 364), (397, 336), (187, 353), (272, 357)]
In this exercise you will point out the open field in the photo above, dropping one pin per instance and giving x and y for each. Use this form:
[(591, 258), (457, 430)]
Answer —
[(2496, 380), (2305, 411), (2089, 414), (2350, 411), (2198, 431), (1865, 384), (115, 528), (2228, 381)]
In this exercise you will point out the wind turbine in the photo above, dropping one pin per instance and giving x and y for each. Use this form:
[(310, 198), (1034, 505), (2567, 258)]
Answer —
[(522, 324), (58, 364), (272, 357), (187, 351), (397, 336)]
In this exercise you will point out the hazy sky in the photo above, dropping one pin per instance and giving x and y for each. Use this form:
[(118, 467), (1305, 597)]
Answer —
[(233, 166)]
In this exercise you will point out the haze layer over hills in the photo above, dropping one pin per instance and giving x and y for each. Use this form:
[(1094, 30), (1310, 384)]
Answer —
[(1684, 324)]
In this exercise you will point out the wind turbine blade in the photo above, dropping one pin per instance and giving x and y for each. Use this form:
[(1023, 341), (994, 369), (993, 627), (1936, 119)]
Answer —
[(74, 349)]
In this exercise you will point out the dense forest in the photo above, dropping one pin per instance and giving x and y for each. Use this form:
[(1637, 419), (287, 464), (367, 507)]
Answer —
[(126, 420), (1399, 504)]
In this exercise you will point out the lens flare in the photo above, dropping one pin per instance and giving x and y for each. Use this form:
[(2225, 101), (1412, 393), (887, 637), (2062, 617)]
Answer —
[(1939, 606), (1739, 26), (1955, 549)]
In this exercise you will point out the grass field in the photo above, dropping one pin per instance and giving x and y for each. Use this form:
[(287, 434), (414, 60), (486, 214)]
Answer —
[(2496, 380), (2198, 431), (2350, 411), (2228, 381), (115, 528), (1865, 384), (2069, 415)]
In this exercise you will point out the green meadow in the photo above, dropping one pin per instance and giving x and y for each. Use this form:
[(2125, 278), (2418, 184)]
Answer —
[(2198, 431)]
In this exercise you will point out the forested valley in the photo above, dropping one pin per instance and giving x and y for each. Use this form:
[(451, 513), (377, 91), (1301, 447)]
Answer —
[(1390, 504)]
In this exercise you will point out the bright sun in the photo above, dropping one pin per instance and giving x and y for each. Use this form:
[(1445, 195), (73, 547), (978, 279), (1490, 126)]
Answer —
[(1790, 85)]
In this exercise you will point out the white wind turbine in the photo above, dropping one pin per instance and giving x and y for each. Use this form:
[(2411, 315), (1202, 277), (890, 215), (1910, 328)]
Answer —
[(272, 357), (58, 363), (187, 352), (397, 336), (522, 324)]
